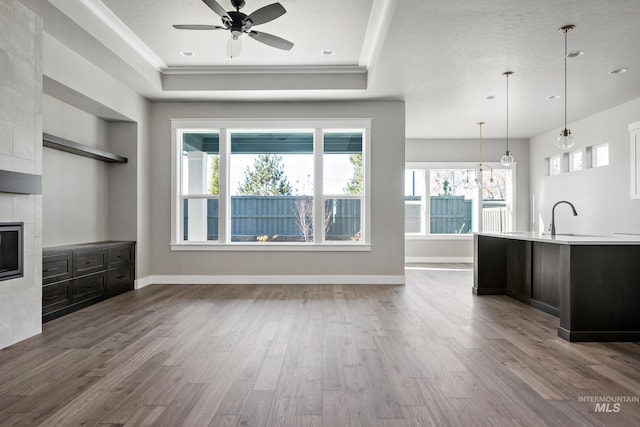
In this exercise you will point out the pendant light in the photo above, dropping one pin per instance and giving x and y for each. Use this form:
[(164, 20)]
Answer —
[(480, 167), (565, 140), (507, 158)]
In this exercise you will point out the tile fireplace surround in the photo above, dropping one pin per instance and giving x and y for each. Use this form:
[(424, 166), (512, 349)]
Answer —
[(21, 156)]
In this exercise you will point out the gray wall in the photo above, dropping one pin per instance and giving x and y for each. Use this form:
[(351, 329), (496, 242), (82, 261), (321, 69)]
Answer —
[(21, 151), (387, 164), (466, 150), (75, 193), (601, 195)]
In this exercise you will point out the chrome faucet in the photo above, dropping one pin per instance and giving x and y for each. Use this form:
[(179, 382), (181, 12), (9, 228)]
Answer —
[(552, 227)]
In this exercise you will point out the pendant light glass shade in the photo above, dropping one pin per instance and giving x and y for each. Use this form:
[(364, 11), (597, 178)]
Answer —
[(565, 140), (507, 158)]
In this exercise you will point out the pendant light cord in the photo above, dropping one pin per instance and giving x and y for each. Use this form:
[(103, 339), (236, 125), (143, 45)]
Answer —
[(507, 114), (565, 78), (480, 124)]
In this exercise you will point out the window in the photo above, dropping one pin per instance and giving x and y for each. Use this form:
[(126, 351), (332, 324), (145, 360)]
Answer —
[(600, 155), (269, 183), (414, 187), (575, 161), (200, 185), (442, 200), (555, 165)]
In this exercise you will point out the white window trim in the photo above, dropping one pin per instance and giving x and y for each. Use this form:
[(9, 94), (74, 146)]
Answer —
[(428, 166), (223, 126)]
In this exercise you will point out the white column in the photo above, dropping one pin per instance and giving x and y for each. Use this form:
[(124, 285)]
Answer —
[(197, 181)]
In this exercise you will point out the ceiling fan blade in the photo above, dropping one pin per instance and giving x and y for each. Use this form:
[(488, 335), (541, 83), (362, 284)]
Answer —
[(266, 14), (198, 27), (213, 5), (271, 40)]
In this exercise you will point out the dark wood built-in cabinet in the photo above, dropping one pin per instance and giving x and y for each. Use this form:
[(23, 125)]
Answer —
[(76, 276)]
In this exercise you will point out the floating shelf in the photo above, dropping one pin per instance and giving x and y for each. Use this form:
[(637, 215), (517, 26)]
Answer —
[(62, 144)]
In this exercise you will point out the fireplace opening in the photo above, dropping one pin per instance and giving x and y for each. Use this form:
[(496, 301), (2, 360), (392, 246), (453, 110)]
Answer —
[(11, 255)]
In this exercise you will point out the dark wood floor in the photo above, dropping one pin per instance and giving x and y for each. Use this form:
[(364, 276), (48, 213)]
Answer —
[(428, 353)]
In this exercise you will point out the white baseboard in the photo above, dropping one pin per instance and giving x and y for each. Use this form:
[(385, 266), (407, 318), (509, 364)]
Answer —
[(141, 283), (438, 260), (271, 280)]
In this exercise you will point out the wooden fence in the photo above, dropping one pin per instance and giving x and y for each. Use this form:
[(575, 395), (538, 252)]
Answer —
[(256, 216), (452, 215)]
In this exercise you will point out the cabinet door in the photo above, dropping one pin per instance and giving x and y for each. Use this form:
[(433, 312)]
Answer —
[(90, 286), (91, 261), (519, 269), (56, 296), (120, 255), (56, 268), (120, 280)]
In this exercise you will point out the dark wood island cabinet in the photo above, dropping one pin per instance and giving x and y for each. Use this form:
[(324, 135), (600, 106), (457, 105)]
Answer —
[(592, 283), (76, 276)]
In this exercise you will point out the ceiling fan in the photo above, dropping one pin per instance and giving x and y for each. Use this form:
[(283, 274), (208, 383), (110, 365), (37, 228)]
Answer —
[(238, 23)]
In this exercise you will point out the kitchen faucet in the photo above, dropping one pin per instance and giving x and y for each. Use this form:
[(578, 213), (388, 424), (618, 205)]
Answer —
[(552, 227)]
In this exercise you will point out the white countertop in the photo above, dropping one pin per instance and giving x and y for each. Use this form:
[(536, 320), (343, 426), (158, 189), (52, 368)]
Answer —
[(569, 239)]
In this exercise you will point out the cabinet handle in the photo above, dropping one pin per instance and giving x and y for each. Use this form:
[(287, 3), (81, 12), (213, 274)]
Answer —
[(89, 262), (50, 298), (49, 270), (120, 277)]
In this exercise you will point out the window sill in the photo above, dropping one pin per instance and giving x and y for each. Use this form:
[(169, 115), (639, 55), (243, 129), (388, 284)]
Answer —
[(271, 247), (468, 236)]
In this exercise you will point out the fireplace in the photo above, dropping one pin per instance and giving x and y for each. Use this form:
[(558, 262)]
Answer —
[(11, 250)]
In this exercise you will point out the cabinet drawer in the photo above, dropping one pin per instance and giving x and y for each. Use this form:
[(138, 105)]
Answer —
[(120, 280), (56, 296), (89, 287), (56, 268), (87, 262), (120, 255)]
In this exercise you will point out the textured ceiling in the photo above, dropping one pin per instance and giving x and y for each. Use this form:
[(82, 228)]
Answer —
[(443, 57)]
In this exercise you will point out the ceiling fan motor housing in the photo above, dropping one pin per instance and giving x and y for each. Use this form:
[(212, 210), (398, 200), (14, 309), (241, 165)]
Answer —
[(238, 23), (238, 4)]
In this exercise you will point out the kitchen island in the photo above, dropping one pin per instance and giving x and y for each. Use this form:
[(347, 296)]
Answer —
[(592, 283)]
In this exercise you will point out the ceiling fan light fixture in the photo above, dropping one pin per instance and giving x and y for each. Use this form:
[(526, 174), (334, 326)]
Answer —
[(238, 23), (234, 46), (565, 140)]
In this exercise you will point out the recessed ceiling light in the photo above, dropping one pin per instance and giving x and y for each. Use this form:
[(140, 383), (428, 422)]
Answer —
[(552, 97), (575, 53), (327, 52), (618, 71), (187, 53), (490, 97)]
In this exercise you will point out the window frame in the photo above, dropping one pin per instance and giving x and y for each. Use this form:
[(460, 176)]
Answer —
[(425, 233), (224, 127)]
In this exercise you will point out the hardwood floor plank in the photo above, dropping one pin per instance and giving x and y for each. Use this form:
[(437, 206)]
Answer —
[(428, 353)]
